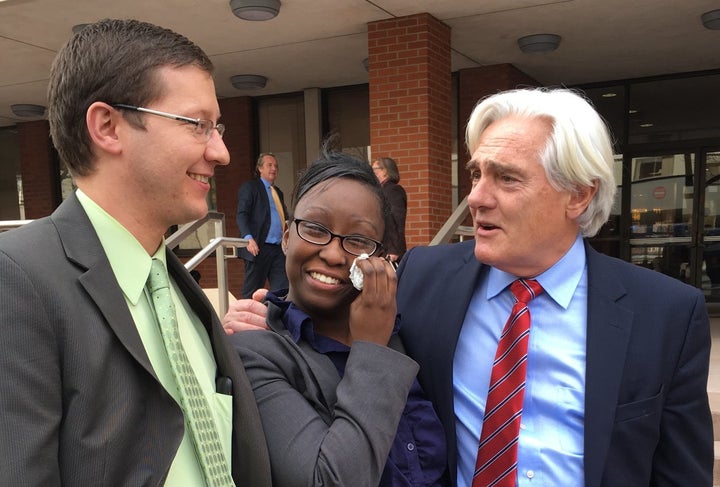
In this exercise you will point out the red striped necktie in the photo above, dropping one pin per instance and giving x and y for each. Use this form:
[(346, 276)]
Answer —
[(496, 464)]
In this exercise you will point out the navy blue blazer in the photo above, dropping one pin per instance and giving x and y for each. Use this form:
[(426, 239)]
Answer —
[(647, 418), (253, 213)]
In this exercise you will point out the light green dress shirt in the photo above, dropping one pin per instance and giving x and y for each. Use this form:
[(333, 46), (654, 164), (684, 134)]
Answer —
[(131, 265)]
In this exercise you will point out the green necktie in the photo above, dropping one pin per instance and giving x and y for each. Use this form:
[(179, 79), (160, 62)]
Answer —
[(194, 404)]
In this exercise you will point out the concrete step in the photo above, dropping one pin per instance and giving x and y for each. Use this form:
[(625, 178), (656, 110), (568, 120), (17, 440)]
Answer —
[(714, 399), (716, 466), (213, 294)]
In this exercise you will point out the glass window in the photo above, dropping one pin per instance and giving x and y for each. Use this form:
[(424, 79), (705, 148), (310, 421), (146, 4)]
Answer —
[(281, 130), (710, 277), (348, 119), (674, 110), (661, 209), (609, 102), (607, 240), (10, 179)]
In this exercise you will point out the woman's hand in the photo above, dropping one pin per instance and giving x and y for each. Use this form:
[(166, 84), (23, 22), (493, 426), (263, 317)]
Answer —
[(372, 314)]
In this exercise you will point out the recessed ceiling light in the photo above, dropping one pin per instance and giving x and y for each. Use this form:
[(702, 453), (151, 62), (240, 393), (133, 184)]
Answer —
[(646, 125), (632, 111), (27, 110), (711, 19), (609, 95), (248, 81), (539, 43), (255, 9)]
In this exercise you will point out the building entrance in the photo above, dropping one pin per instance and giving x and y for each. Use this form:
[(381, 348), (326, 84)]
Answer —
[(675, 216)]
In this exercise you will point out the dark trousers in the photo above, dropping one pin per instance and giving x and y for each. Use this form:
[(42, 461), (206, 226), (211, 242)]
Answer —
[(269, 264)]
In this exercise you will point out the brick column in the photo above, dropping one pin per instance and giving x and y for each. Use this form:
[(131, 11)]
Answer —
[(39, 172), (410, 87), (475, 84)]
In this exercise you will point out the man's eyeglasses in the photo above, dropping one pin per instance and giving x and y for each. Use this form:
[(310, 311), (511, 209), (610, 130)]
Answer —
[(317, 234), (203, 128)]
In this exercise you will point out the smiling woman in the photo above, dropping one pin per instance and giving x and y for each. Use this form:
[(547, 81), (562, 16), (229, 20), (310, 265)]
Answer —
[(320, 374)]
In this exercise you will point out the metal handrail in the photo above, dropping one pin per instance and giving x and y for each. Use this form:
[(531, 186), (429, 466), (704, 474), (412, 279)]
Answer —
[(184, 231), (222, 278), (450, 229), (452, 226), (219, 242), (6, 225)]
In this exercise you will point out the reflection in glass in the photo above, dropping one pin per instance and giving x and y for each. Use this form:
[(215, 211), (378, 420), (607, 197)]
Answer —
[(674, 110), (710, 282), (661, 213)]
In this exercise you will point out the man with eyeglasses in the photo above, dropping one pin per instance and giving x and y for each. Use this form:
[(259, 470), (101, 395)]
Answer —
[(261, 214), (113, 373)]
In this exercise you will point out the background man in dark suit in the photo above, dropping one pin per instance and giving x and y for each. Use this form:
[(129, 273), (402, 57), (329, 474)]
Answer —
[(87, 390), (262, 221), (618, 357), (617, 366)]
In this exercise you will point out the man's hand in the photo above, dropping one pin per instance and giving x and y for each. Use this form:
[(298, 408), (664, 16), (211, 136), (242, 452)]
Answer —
[(253, 248), (246, 314)]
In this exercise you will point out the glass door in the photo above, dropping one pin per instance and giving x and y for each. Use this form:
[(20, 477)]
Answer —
[(662, 208), (675, 216), (709, 267)]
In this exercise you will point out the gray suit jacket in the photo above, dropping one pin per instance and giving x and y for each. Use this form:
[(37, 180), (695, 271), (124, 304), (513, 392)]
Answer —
[(321, 430), (647, 419), (80, 402)]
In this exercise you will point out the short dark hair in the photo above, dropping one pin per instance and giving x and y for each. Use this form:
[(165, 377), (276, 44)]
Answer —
[(113, 61), (333, 165)]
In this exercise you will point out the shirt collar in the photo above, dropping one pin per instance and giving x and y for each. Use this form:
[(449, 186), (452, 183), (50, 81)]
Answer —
[(128, 259), (299, 325), (559, 281)]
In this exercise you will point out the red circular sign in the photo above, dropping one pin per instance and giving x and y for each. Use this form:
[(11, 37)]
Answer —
[(659, 192)]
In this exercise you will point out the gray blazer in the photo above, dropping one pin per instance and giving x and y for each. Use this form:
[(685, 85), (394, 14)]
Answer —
[(80, 402), (322, 430)]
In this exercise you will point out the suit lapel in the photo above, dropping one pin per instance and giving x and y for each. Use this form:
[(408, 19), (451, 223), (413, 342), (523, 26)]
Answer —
[(608, 333), (263, 198), (450, 283), (461, 286), (459, 283), (201, 306), (82, 247)]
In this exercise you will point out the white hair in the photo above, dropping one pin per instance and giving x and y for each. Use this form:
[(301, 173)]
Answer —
[(578, 153)]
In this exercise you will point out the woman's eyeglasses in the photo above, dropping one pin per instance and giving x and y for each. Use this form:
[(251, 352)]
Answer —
[(317, 234)]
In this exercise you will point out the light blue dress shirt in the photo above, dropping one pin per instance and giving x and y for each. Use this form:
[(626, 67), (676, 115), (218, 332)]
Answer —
[(550, 451), (275, 232), (274, 235)]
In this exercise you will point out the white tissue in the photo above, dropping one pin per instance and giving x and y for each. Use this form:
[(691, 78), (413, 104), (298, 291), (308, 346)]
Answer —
[(356, 275)]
